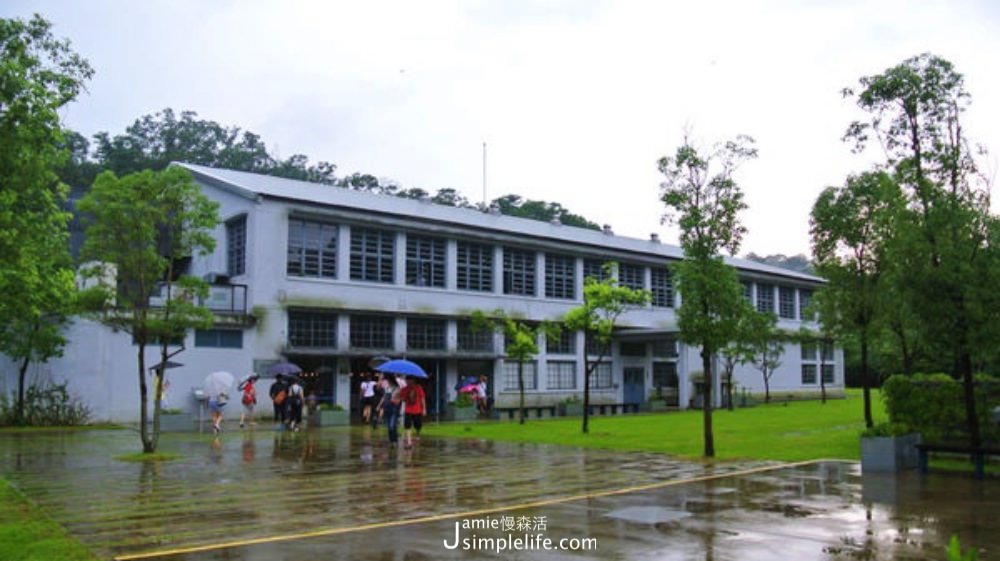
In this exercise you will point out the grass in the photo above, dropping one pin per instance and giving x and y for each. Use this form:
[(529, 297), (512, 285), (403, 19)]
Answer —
[(152, 457), (28, 535), (793, 431)]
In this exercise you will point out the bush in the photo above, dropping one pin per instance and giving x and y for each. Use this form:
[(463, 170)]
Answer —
[(45, 405), (464, 400), (934, 404)]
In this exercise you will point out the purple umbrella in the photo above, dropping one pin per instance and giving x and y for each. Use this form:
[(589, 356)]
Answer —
[(283, 368)]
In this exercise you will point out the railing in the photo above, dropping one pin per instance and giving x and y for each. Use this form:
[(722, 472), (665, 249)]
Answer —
[(230, 299)]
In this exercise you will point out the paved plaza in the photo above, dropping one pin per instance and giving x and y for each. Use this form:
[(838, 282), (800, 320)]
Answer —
[(342, 493)]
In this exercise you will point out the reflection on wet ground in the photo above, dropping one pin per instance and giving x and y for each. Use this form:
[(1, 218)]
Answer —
[(332, 492)]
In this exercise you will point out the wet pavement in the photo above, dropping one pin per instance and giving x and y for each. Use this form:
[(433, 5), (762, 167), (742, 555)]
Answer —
[(343, 494)]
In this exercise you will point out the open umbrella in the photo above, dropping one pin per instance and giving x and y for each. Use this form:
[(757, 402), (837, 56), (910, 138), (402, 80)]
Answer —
[(283, 368), (402, 367), (217, 383), (166, 365)]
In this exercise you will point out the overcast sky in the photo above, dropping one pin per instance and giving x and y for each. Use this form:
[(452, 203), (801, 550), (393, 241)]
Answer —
[(576, 99)]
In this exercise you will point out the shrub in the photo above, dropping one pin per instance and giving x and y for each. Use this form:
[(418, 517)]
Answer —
[(464, 400), (934, 404), (45, 405)]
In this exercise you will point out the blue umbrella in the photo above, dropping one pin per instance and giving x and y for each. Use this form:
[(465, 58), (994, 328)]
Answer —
[(402, 368), (283, 368)]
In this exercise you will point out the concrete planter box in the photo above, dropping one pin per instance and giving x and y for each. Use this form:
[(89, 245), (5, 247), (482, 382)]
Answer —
[(177, 422), (574, 409), (331, 418), (461, 413), (656, 406), (889, 453)]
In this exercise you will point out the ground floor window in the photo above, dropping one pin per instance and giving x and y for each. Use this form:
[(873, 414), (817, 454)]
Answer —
[(560, 375), (600, 378), (808, 373), (510, 375)]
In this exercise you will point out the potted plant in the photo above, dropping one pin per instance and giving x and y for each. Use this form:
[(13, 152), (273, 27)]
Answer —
[(463, 408), (571, 406), (889, 447), (176, 420), (332, 415), (656, 402)]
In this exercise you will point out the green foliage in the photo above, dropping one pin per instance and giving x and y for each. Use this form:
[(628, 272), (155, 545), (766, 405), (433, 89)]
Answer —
[(514, 205), (933, 405), (26, 534), (45, 405), (464, 400), (955, 551)]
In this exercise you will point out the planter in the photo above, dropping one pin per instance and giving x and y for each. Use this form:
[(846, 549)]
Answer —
[(331, 418), (462, 413), (889, 453), (573, 409), (176, 422), (656, 406)]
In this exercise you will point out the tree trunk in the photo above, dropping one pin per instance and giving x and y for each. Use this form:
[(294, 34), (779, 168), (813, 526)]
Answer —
[(706, 363), (21, 375), (865, 380), (586, 392), (822, 379), (767, 389), (971, 418), (729, 387), (147, 445), (520, 386)]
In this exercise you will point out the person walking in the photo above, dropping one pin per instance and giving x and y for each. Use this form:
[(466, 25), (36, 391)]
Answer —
[(215, 405), (279, 393), (414, 401), (367, 397), (296, 398), (249, 399), (391, 406)]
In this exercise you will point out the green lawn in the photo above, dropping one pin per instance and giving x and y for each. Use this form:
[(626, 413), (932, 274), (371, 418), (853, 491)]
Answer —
[(802, 430), (28, 535)]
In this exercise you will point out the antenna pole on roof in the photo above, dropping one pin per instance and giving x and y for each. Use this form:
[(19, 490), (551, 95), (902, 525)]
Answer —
[(484, 174)]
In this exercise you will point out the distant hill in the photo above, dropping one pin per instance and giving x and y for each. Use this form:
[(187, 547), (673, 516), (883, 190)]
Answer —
[(798, 263)]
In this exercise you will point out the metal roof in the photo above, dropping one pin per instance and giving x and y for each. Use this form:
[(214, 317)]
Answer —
[(254, 186)]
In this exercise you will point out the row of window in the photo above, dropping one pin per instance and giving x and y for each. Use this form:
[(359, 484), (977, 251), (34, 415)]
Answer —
[(560, 375), (764, 300)]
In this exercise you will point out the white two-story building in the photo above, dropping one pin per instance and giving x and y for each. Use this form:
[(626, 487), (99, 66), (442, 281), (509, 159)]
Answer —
[(328, 278)]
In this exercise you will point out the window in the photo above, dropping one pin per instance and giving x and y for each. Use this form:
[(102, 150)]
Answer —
[(808, 373), (312, 248), (765, 298), (600, 378), (827, 351), (747, 291), (596, 347), (475, 267), (470, 339), (560, 276), (507, 342), (665, 348), (786, 302), (510, 375), (372, 254), (221, 338), (564, 344), (372, 332), (425, 334), (632, 349), (518, 271), (805, 300), (561, 375), (236, 246), (632, 276), (809, 351), (154, 340), (594, 269), (312, 329), (665, 375), (662, 287), (827, 373), (425, 261)]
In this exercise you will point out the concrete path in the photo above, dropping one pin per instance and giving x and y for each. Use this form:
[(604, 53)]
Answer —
[(342, 493)]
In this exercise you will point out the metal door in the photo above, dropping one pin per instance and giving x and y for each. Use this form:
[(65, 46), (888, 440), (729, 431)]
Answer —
[(634, 385)]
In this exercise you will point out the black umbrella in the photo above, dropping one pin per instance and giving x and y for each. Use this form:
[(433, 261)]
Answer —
[(166, 365)]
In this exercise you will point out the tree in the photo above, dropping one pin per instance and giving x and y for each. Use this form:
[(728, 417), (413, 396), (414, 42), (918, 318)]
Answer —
[(515, 205), (947, 237), (39, 75), (851, 229), (521, 341), (705, 202), (142, 227), (764, 346), (604, 301)]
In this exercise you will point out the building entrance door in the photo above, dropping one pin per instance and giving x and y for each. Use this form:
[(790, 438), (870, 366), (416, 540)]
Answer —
[(634, 385)]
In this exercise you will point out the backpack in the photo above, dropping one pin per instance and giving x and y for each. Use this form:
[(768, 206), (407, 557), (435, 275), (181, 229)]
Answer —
[(279, 397)]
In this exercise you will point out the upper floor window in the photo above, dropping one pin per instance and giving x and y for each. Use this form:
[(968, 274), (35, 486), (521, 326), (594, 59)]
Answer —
[(425, 334), (805, 300), (312, 329), (475, 267), (425, 261), (220, 338), (372, 255), (312, 248), (372, 332), (665, 348), (236, 245), (662, 287), (632, 276), (786, 302), (747, 291), (518, 271), (594, 269), (563, 344), (765, 298), (560, 276), (470, 339)]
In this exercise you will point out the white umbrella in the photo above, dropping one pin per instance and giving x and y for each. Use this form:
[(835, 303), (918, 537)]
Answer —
[(217, 383)]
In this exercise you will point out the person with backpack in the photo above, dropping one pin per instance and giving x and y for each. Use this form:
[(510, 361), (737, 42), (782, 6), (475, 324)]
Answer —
[(249, 399), (296, 399), (278, 393), (415, 407)]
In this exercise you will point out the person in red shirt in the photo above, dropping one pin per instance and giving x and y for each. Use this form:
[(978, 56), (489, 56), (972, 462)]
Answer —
[(415, 407)]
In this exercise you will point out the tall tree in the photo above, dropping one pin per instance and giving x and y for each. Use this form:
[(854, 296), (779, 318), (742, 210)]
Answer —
[(851, 229), (764, 345), (604, 301), (949, 236), (40, 74), (705, 201), (142, 227)]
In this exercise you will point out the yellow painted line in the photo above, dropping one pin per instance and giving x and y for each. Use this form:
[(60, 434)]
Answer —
[(466, 514)]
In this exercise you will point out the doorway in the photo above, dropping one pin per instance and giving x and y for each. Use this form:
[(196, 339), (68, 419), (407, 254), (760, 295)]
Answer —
[(634, 385)]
